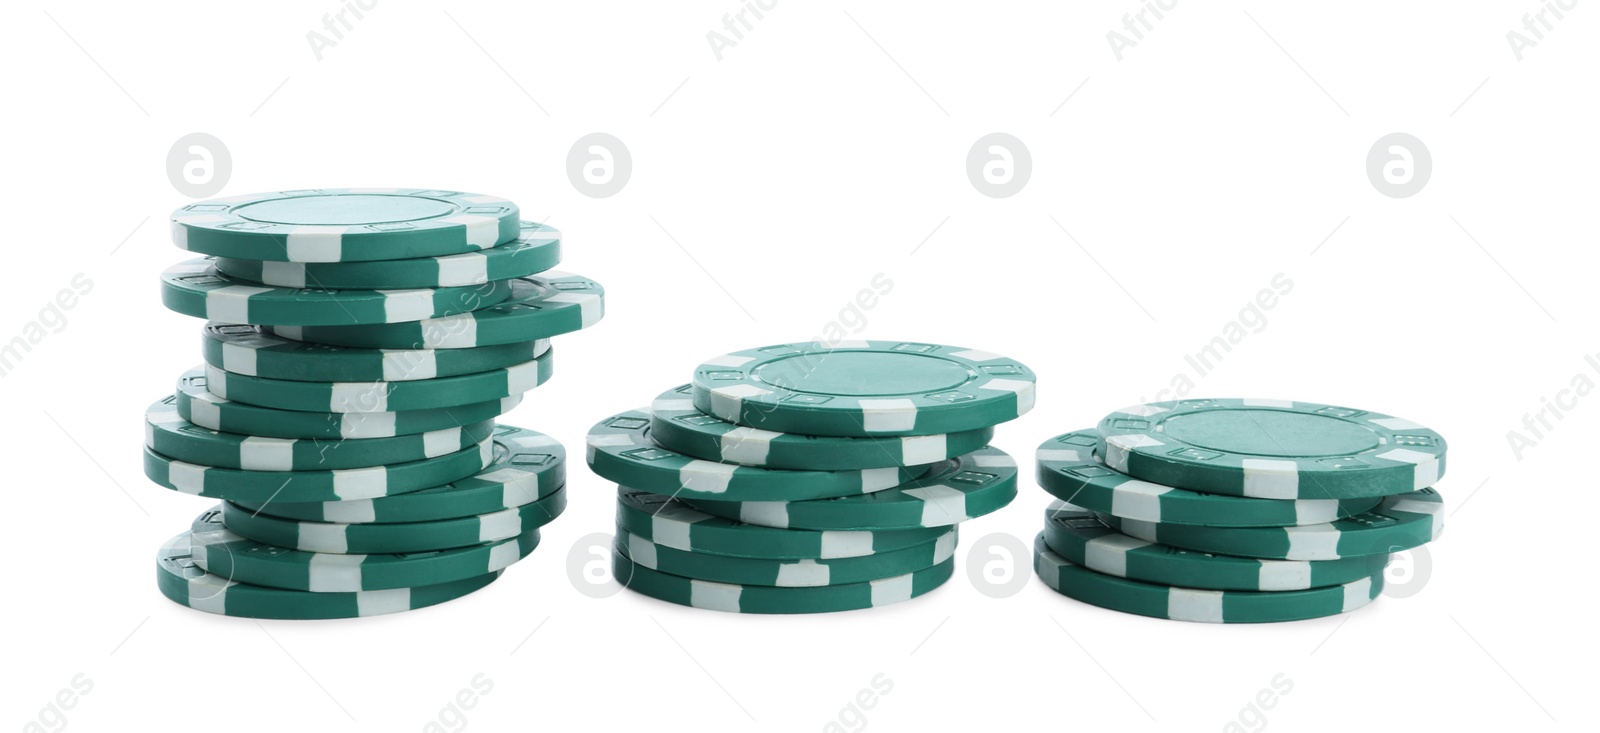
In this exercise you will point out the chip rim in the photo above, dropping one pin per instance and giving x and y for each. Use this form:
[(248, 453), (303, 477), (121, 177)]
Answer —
[(1376, 532), (242, 600), (726, 387), (679, 525), (1065, 463), (755, 599), (560, 303), (1175, 603), (214, 227), (895, 508), (1078, 535), (619, 448), (533, 251), (1135, 444), (711, 438)]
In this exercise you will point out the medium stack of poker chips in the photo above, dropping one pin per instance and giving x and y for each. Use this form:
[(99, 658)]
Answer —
[(806, 478), (360, 345), (1235, 510)]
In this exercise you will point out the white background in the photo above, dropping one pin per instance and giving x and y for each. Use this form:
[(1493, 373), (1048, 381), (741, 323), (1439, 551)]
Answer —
[(767, 188)]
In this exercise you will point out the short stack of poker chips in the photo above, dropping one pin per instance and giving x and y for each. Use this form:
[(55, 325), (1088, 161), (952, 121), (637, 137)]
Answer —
[(807, 478), (1236, 510), (360, 345)]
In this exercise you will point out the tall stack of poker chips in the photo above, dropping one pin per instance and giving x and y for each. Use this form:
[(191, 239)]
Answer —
[(1236, 511), (806, 478), (360, 344)]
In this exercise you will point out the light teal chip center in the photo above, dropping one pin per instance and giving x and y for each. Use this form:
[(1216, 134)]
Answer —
[(863, 373), (1267, 432), (349, 210)]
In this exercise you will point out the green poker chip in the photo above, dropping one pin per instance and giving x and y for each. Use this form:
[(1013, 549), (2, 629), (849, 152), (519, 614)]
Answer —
[(671, 523), (168, 434), (1070, 470), (537, 248), (620, 449), (540, 306), (195, 288), (736, 598), (864, 388), (421, 394), (345, 224), (1398, 523), (1081, 537), (345, 539), (1272, 449), (252, 352), (527, 466), (1192, 604), (183, 582), (952, 491), (198, 405), (335, 485), (225, 554), (679, 427), (805, 573)]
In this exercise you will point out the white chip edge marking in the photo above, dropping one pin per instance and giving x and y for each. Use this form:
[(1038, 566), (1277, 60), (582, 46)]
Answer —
[(1313, 542), (888, 416), (1186, 604), (405, 365), (330, 573), (1357, 594), (805, 573), (1139, 500), (1024, 390), (941, 505), (403, 306), (714, 596), (1109, 553), (920, 449), (727, 401), (892, 590), (845, 544), (765, 513), (231, 303), (1283, 575), (1266, 478), (316, 243), (266, 454), (471, 268), (749, 446)]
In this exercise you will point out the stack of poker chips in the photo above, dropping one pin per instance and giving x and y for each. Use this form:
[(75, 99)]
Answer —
[(360, 345), (807, 478), (1236, 510)]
